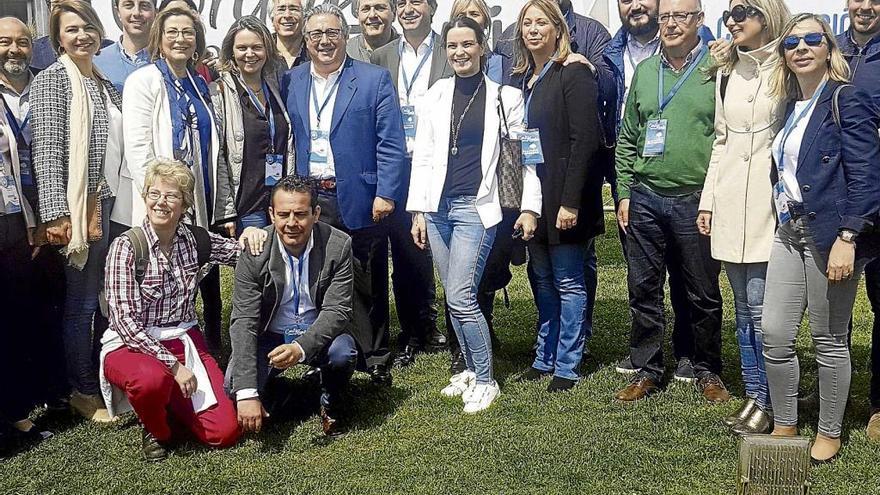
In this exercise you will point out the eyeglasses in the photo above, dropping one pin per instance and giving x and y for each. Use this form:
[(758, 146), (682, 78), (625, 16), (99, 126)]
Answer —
[(740, 13), (811, 39), (677, 17), (172, 34), (333, 34), (169, 197)]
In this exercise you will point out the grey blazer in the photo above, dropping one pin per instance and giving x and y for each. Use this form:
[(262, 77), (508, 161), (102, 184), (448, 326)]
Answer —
[(389, 57), (259, 286), (357, 47)]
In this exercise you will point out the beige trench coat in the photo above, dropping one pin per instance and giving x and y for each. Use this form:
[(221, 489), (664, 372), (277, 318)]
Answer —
[(737, 190)]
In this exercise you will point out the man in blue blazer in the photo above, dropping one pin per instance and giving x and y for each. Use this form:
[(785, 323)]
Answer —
[(349, 136)]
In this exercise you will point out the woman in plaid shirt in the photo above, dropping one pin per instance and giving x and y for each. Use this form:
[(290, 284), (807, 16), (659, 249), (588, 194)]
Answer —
[(154, 358)]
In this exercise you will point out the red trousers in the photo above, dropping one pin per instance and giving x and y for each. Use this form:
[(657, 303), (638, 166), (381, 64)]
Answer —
[(158, 401)]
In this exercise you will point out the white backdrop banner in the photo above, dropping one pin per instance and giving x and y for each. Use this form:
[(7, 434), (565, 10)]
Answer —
[(219, 14)]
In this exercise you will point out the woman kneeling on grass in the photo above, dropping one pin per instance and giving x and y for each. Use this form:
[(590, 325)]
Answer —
[(154, 358)]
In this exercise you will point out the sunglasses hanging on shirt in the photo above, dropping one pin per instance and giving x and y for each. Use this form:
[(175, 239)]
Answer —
[(811, 39), (740, 13)]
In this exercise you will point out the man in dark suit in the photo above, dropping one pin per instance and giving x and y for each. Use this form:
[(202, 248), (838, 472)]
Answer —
[(291, 305), (416, 62), (349, 136)]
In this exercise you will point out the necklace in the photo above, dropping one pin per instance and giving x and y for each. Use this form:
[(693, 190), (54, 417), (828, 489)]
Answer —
[(456, 127)]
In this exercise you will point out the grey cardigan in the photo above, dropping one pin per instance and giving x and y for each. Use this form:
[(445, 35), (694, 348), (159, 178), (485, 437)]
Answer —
[(259, 286)]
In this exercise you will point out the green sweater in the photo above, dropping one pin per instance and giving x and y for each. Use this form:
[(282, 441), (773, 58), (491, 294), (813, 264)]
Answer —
[(690, 131)]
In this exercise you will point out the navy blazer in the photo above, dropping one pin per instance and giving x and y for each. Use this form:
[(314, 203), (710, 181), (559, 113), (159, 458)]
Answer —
[(839, 169), (366, 136)]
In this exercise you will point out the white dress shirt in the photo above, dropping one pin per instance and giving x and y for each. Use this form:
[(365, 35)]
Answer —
[(19, 104), (286, 311), (634, 54), (793, 151), (321, 87), (409, 62)]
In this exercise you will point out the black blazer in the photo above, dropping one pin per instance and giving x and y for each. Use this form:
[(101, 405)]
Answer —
[(563, 108), (259, 286)]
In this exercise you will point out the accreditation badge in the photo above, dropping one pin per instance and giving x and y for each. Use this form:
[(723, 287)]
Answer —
[(295, 330), (409, 120), (655, 138), (11, 201), (781, 199), (274, 166), (532, 152), (320, 147)]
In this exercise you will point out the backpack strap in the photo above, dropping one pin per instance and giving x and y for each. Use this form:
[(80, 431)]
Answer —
[(203, 244), (725, 80), (138, 240), (835, 104)]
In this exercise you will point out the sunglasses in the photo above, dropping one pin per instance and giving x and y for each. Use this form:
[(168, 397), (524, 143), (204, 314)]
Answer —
[(811, 39), (740, 13)]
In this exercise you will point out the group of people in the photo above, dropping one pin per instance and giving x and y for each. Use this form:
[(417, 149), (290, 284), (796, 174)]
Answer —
[(306, 160)]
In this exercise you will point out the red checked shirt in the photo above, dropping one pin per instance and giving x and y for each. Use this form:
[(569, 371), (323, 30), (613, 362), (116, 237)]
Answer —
[(167, 295)]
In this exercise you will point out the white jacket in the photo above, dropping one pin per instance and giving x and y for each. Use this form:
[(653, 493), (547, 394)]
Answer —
[(148, 134), (431, 151)]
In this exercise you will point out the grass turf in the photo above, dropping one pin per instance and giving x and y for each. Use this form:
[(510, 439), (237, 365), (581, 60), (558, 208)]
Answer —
[(408, 439)]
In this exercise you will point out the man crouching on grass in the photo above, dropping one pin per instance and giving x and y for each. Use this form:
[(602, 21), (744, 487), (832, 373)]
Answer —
[(291, 305)]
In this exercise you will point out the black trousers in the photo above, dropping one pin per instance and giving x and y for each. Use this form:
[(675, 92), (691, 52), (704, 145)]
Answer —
[(369, 249), (872, 285), (413, 284)]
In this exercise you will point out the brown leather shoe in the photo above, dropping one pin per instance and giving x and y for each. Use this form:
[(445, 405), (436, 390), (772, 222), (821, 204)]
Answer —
[(329, 424), (874, 427), (639, 388), (153, 451), (713, 388)]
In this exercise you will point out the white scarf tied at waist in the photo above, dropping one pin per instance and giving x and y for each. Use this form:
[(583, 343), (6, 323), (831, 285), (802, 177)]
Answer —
[(115, 398)]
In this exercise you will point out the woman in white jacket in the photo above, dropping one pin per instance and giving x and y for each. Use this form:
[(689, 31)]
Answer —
[(453, 195), (168, 113)]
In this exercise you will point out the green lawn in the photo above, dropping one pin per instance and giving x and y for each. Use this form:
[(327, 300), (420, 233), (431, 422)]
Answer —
[(411, 440)]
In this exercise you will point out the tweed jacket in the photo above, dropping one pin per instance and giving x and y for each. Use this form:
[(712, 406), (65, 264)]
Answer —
[(50, 121), (736, 190)]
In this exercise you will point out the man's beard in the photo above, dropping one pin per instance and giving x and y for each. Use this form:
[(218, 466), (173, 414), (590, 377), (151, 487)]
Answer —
[(15, 67), (652, 26)]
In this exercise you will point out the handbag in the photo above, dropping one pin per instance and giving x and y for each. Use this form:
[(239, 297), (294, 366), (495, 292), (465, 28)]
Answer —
[(510, 167)]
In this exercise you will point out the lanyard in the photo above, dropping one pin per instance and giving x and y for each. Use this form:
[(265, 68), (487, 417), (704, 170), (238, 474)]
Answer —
[(296, 281), (17, 128), (407, 84), (530, 92), (265, 112), (793, 121), (327, 95), (664, 101)]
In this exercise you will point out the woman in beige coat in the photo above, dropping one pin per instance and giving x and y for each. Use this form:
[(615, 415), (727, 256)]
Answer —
[(737, 202)]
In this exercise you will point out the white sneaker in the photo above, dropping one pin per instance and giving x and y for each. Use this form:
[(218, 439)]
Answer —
[(481, 396), (458, 383)]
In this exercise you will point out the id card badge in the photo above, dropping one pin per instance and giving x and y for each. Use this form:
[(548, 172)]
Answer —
[(11, 201), (655, 138), (780, 197), (409, 120), (274, 166), (295, 330), (24, 163), (532, 153), (320, 147)]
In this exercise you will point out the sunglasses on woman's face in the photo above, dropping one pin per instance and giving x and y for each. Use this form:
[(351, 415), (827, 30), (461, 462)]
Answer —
[(811, 39), (740, 13)]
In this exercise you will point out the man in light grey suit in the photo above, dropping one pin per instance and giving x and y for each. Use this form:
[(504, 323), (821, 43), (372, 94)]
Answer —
[(292, 304), (375, 18)]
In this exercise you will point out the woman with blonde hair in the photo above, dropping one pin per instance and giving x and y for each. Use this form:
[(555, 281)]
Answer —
[(736, 207), (77, 154), (562, 136), (254, 126), (827, 195)]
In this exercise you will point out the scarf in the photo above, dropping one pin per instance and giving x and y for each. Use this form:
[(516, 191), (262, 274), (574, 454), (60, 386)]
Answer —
[(184, 119), (79, 129)]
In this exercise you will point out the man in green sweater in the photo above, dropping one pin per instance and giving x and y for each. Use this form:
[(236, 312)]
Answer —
[(662, 155)]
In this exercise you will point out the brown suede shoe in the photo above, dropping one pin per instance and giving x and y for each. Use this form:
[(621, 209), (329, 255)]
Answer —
[(329, 424), (639, 388), (874, 427), (713, 388)]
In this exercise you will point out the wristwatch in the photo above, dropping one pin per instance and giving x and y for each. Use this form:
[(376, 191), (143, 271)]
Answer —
[(847, 235)]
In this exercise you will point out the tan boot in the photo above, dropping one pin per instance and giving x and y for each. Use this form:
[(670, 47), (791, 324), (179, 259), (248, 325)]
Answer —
[(784, 431), (824, 449), (90, 407), (874, 427)]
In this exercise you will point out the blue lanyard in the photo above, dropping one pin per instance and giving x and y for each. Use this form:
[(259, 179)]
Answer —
[(792, 122), (327, 95), (407, 84), (266, 112), (664, 100), (296, 281), (17, 128), (530, 92)]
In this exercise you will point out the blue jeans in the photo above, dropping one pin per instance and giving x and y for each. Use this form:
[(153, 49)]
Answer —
[(747, 281), (80, 305), (460, 246), (591, 280), (557, 277), (258, 219)]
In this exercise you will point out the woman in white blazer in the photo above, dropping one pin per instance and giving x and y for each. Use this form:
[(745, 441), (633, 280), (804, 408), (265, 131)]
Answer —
[(168, 113), (453, 195)]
